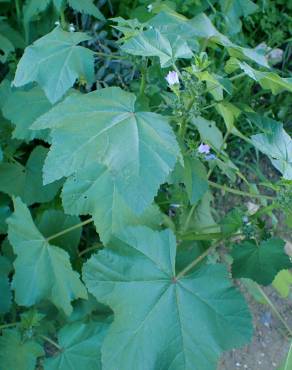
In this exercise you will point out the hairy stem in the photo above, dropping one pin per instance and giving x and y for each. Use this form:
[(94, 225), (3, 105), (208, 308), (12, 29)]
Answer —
[(11, 325), (197, 260), (276, 312), (92, 248), (239, 192), (49, 340)]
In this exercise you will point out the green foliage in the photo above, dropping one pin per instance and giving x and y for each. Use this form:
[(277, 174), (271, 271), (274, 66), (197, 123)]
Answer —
[(140, 266), (42, 270), (29, 184), (132, 145), (16, 353), (22, 108), (58, 54), (80, 347), (140, 149), (260, 262)]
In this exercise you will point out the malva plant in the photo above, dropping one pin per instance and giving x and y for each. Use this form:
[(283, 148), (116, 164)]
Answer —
[(116, 256)]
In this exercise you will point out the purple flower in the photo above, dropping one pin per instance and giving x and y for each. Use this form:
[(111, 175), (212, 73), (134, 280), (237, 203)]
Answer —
[(172, 78), (204, 148), (210, 157)]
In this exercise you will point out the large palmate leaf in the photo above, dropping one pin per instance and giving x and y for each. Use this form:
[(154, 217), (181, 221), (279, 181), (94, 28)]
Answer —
[(55, 61), (94, 191), (267, 80), (139, 149), (260, 263), (80, 345), (42, 270), (22, 108), (29, 185), (155, 44), (277, 145), (17, 354), (139, 267)]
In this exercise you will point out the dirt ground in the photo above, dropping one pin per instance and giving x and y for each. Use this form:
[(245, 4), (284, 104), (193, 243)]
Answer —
[(269, 346)]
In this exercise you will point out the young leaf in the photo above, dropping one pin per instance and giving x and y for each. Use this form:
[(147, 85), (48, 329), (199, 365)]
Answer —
[(22, 108), (29, 185), (86, 7), (17, 354), (139, 149), (260, 263), (171, 24), (205, 29), (80, 345), (283, 283), (55, 61), (140, 267), (267, 80), (202, 220), (277, 145), (42, 271), (153, 43), (194, 175), (233, 10), (93, 191), (32, 8), (209, 132)]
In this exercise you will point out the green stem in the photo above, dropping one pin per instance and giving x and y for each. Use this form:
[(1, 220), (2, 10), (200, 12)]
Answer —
[(96, 246), (188, 220), (219, 152), (18, 11), (65, 231), (209, 106), (197, 260), (195, 236), (110, 56), (63, 19), (289, 358), (239, 192), (11, 325), (183, 126), (274, 309), (47, 339), (143, 80), (237, 76)]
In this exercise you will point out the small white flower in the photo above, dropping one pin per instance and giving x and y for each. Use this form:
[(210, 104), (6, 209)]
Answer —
[(172, 78), (71, 27), (150, 8), (57, 23)]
